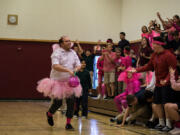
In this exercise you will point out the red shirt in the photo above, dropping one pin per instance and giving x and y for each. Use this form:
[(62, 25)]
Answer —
[(160, 63)]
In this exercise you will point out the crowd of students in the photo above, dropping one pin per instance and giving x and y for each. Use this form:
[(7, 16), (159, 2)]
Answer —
[(147, 81), (144, 84)]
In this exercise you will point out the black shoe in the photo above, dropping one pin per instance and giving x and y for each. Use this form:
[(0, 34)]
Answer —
[(50, 119), (69, 127), (159, 127), (118, 122), (152, 124), (132, 122), (113, 119), (166, 129), (106, 98)]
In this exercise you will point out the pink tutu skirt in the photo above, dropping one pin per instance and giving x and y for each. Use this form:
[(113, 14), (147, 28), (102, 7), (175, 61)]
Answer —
[(58, 89)]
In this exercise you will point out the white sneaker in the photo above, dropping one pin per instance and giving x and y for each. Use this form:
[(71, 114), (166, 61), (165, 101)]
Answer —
[(83, 117), (175, 131), (75, 116), (104, 96), (99, 96)]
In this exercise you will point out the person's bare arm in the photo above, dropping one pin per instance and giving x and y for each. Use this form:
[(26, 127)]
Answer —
[(125, 116), (79, 47), (162, 21)]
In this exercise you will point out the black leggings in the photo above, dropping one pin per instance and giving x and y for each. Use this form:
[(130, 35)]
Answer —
[(58, 102)]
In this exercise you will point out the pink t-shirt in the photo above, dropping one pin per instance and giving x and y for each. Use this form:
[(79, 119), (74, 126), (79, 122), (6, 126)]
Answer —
[(126, 61), (100, 64), (109, 66), (145, 35)]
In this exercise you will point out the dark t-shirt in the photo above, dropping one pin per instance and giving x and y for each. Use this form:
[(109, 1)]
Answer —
[(85, 80), (122, 44), (173, 45), (147, 51), (141, 98), (89, 61)]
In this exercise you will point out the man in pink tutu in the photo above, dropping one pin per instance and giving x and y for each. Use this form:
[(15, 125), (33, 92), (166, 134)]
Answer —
[(61, 85)]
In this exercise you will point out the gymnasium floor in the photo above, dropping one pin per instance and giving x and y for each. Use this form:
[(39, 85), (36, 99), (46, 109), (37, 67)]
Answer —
[(28, 118)]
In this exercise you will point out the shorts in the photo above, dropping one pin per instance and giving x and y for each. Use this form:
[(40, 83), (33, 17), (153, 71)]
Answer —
[(109, 77), (163, 95)]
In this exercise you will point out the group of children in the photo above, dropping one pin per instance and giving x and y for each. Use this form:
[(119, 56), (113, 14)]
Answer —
[(151, 94)]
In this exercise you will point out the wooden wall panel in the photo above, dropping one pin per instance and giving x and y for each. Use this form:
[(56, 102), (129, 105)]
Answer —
[(23, 63)]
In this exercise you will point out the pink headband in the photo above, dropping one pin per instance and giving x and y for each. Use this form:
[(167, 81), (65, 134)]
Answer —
[(159, 43)]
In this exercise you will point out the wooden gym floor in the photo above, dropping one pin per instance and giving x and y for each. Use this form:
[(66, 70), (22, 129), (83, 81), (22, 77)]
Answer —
[(28, 118)]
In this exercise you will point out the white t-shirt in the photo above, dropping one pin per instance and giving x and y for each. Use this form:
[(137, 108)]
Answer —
[(67, 59)]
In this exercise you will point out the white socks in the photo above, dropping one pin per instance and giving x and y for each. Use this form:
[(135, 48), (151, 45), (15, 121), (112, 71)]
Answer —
[(168, 123), (161, 122), (152, 118)]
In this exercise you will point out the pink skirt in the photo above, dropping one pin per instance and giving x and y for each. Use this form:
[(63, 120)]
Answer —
[(58, 89)]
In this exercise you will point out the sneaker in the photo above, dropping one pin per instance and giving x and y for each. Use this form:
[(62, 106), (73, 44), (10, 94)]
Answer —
[(113, 119), (118, 122), (75, 116), (90, 94), (175, 131), (69, 127), (99, 96), (50, 119), (83, 117), (132, 122), (104, 97), (159, 127), (150, 124), (166, 129)]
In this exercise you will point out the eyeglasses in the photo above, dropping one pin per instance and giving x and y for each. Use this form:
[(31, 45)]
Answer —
[(67, 41), (129, 105)]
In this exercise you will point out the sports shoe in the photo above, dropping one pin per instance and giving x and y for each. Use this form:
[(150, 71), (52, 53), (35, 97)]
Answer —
[(175, 131), (83, 117), (113, 119), (69, 127), (75, 116), (50, 119), (99, 96), (166, 129), (159, 127), (104, 97), (118, 122)]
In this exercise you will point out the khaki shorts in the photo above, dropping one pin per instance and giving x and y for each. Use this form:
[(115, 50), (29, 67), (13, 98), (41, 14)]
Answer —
[(109, 77)]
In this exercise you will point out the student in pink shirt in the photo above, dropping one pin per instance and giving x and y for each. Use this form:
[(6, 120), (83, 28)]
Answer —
[(167, 27), (100, 64), (145, 32), (109, 69), (132, 86), (126, 60), (154, 30)]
